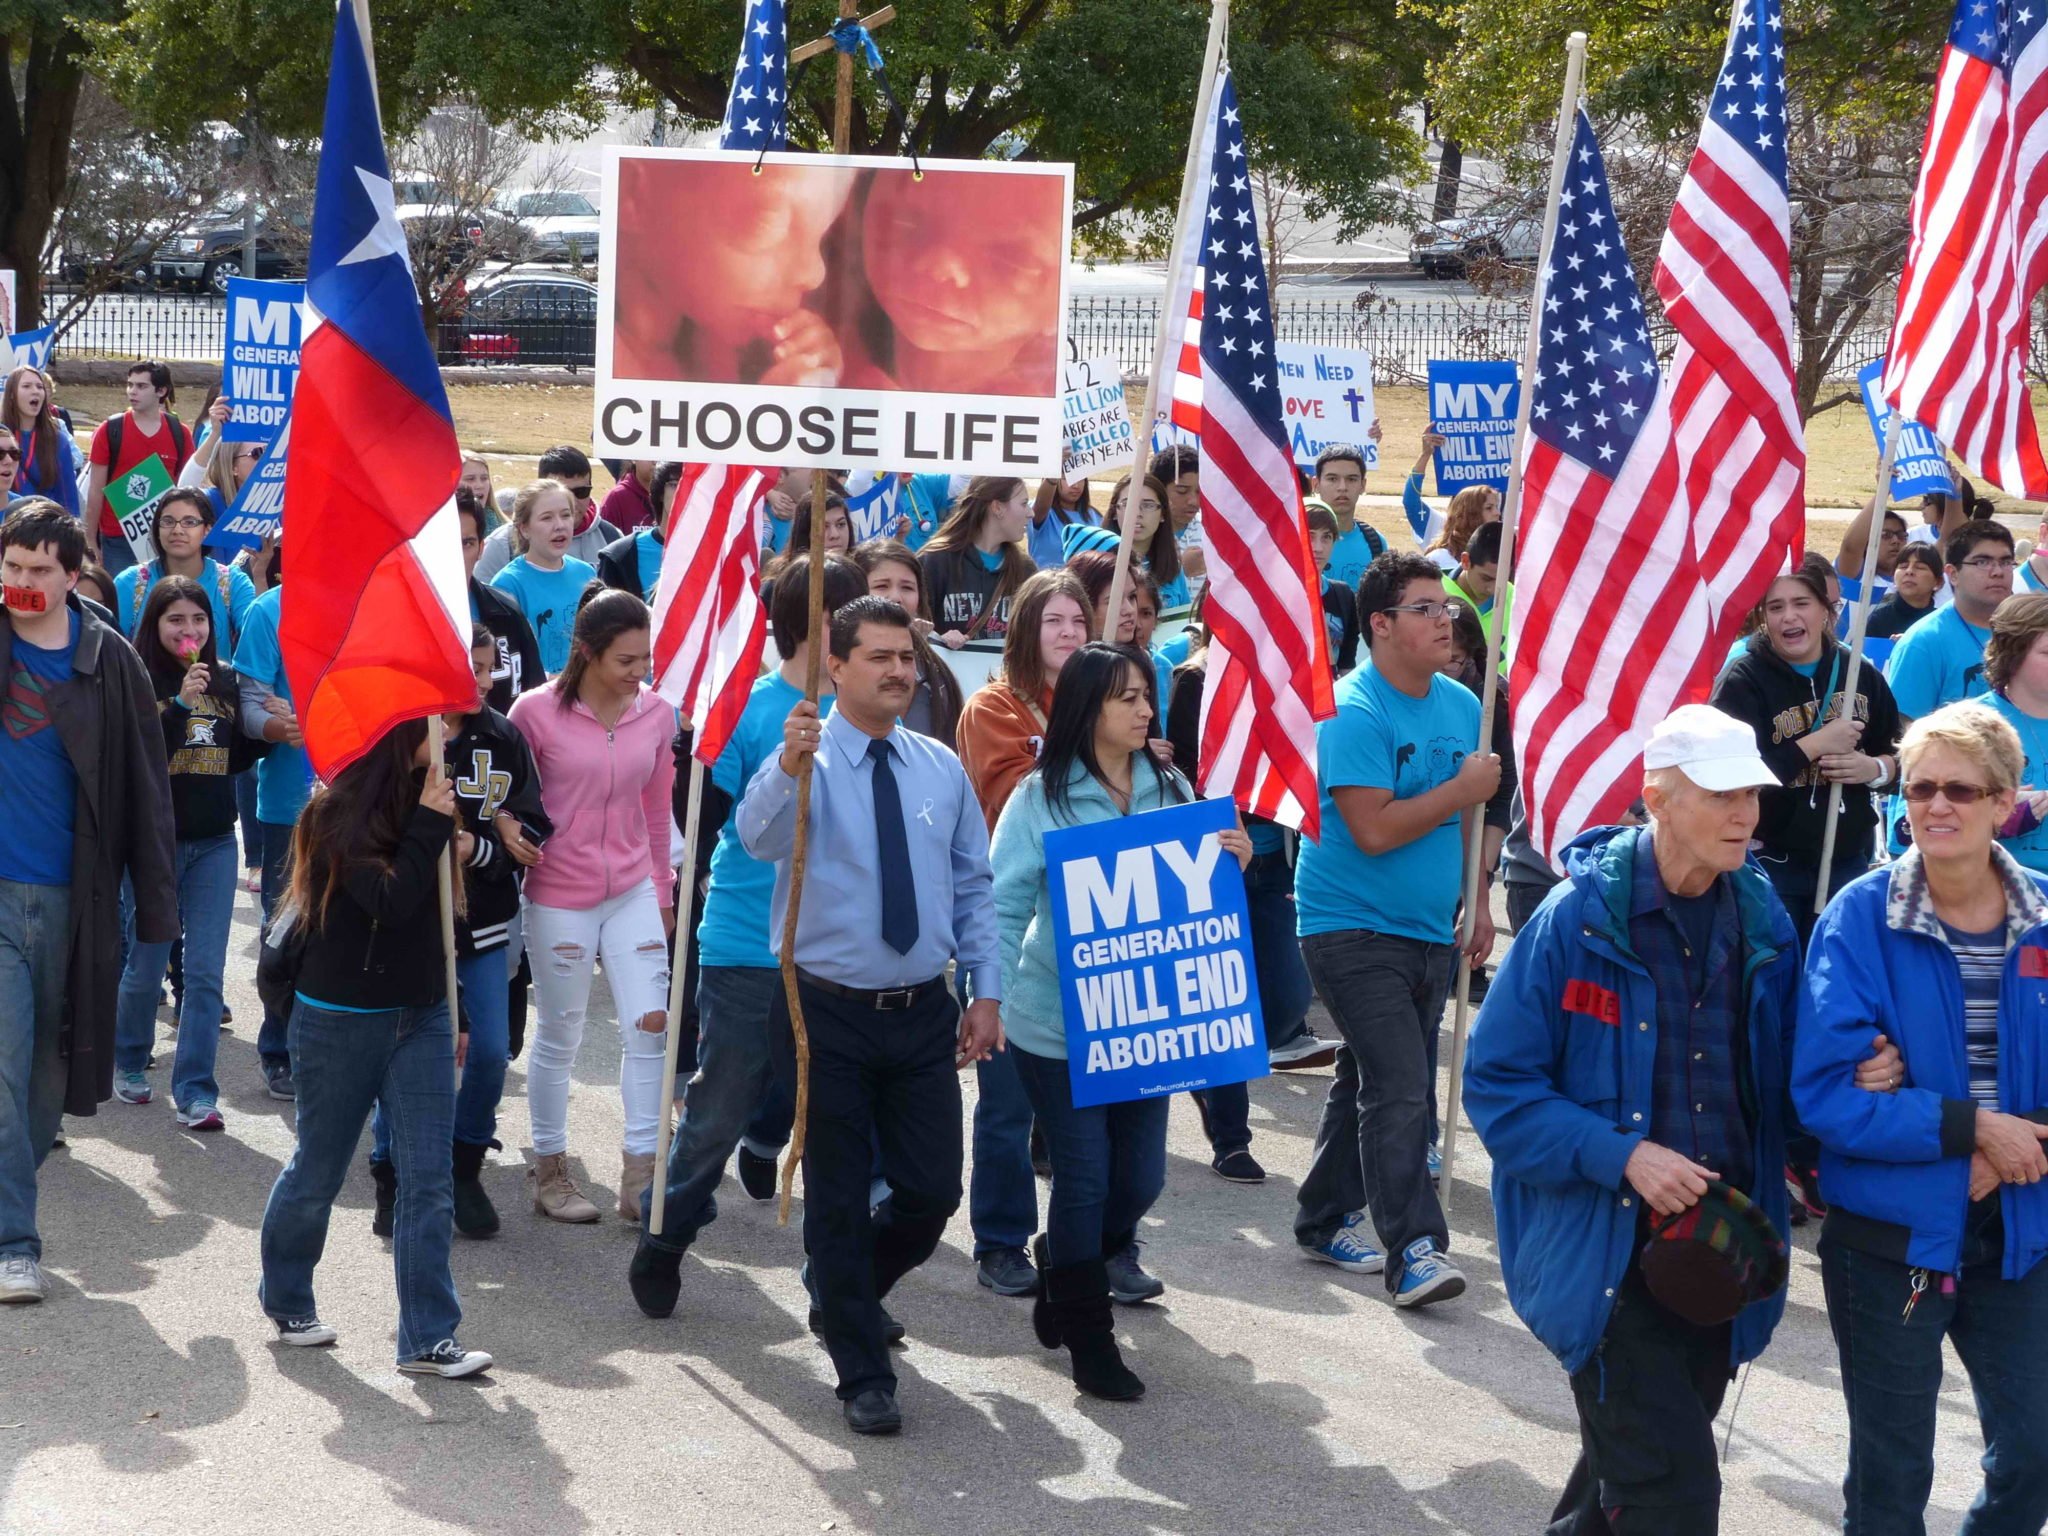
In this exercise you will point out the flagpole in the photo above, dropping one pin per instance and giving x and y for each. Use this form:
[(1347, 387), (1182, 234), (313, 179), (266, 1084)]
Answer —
[(1172, 328), (444, 871), (686, 914), (1475, 825), (1879, 506)]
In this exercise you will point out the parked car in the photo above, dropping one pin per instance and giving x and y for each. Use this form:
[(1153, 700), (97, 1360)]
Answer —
[(1504, 229), (558, 226), (527, 315), (205, 258)]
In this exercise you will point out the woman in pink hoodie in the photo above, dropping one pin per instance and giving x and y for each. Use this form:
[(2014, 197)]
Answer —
[(603, 886)]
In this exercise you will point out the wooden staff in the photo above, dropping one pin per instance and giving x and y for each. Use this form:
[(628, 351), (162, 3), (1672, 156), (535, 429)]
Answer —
[(1475, 825), (444, 873), (842, 140), (1172, 328), (686, 914)]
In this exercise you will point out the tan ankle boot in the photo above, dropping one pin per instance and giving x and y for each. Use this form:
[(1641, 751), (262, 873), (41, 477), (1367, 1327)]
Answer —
[(636, 1172), (555, 1194)]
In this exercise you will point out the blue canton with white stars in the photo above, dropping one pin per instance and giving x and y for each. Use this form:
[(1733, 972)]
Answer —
[(1237, 318), (757, 110), (1749, 98), (1596, 376), (1996, 31)]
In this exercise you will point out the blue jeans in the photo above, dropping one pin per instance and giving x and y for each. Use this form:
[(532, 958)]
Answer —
[(116, 553), (1891, 1378), (273, 1042), (245, 812), (206, 908), (1385, 995), (1002, 1195), (403, 1062), (481, 979), (1108, 1162), (1284, 988), (731, 1098), (35, 950)]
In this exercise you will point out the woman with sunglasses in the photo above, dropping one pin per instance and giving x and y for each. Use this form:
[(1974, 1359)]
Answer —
[(1787, 687), (1938, 1213), (49, 457), (179, 529)]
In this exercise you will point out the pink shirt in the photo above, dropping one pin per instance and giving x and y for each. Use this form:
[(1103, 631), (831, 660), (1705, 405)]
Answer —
[(607, 793)]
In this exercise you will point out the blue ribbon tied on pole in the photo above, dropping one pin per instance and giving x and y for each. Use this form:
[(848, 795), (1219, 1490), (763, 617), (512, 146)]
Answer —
[(850, 37)]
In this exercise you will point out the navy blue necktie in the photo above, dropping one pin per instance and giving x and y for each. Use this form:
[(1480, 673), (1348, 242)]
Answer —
[(892, 847)]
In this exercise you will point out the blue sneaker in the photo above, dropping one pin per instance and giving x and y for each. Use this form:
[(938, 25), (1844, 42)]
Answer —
[(1426, 1276), (131, 1087), (1348, 1249)]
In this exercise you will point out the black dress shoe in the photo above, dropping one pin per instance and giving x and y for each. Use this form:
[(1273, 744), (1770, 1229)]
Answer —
[(656, 1276), (873, 1412), (757, 1175)]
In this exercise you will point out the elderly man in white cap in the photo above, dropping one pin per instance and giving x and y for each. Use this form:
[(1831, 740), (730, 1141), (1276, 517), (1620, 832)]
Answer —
[(1627, 1075)]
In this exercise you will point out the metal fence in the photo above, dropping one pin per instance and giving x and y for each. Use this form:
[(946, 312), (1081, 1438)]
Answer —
[(1402, 336)]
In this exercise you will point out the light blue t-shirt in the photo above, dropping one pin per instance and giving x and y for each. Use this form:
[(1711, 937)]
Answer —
[(647, 550), (2030, 848), (548, 599), (1937, 662), (1351, 554), (734, 930), (1380, 738), (133, 586), (285, 777)]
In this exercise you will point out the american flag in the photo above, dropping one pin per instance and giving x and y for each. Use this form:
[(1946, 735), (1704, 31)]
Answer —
[(708, 618), (1613, 620), (1979, 249), (757, 108), (1724, 273), (1268, 678)]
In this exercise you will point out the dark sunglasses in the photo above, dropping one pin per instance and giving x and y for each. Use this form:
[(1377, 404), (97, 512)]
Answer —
[(580, 492), (1921, 791), (10, 453)]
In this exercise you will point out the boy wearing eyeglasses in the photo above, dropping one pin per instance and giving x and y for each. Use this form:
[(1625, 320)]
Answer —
[(1377, 909), (1941, 660)]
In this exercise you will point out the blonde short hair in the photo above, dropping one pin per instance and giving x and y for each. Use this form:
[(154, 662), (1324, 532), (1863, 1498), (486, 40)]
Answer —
[(523, 504), (1978, 732)]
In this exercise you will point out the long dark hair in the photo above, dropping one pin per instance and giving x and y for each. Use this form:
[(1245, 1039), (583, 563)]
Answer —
[(166, 672), (931, 666), (357, 822), (602, 618), (1162, 555), (957, 535), (44, 432), (1090, 678)]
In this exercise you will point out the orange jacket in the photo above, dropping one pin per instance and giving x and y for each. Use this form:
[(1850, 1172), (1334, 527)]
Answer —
[(999, 739)]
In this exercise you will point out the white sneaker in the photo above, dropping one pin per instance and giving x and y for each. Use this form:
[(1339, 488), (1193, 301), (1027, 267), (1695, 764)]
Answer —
[(21, 1279), (447, 1358)]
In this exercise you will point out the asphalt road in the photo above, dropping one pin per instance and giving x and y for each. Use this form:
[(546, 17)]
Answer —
[(147, 1395)]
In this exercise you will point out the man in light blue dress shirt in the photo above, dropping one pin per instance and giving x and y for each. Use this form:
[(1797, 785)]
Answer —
[(898, 884)]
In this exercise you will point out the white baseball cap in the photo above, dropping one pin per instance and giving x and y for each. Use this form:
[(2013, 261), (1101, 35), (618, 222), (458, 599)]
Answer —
[(1716, 751)]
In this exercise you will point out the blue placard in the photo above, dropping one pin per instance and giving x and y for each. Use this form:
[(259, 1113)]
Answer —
[(266, 324), (32, 348), (1473, 405), (259, 506), (1155, 949), (1921, 468)]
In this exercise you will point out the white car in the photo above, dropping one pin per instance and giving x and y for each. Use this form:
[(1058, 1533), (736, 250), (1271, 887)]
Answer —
[(1503, 230), (559, 226)]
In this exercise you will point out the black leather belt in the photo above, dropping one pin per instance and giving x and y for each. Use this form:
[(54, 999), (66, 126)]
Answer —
[(887, 1000)]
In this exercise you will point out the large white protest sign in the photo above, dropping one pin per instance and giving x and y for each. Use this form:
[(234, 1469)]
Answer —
[(1326, 396), (1097, 420), (832, 311), (266, 324)]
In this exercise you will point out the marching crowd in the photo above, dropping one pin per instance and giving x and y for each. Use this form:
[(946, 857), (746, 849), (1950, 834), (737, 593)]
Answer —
[(1676, 1061)]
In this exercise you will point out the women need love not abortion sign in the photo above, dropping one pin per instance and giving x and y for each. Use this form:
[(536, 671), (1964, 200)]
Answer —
[(1155, 954)]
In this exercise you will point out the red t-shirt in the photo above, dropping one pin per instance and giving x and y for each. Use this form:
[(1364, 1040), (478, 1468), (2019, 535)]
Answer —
[(173, 448)]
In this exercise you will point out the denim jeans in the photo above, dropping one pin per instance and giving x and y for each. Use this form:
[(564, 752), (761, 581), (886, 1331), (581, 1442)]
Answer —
[(245, 813), (481, 979), (732, 1083), (403, 1062), (1891, 1378), (1284, 988), (35, 951), (1002, 1192), (206, 908), (1108, 1162), (1795, 878), (116, 553), (1226, 1117), (1524, 897), (1385, 995), (273, 1043)]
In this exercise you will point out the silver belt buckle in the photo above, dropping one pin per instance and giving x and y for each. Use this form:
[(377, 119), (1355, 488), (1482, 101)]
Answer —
[(895, 999)]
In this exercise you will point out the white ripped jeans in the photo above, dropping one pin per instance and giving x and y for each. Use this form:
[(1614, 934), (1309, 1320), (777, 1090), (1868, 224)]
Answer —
[(563, 944)]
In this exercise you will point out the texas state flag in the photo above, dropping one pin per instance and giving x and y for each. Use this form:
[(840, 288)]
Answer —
[(375, 622)]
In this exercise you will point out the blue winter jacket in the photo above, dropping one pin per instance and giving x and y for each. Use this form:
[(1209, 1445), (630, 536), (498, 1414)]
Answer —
[(1558, 1084), (1879, 961)]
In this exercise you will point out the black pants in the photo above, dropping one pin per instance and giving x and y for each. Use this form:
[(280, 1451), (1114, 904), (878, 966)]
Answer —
[(1647, 1401), (878, 1081)]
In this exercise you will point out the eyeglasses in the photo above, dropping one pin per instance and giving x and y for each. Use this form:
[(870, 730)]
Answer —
[(1990, 563), (1430, 610), (186, 524), (1921, 791), (580, 492), (10, 453)]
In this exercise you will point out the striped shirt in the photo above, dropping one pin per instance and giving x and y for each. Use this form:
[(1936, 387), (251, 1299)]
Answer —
[(1981, 957)]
